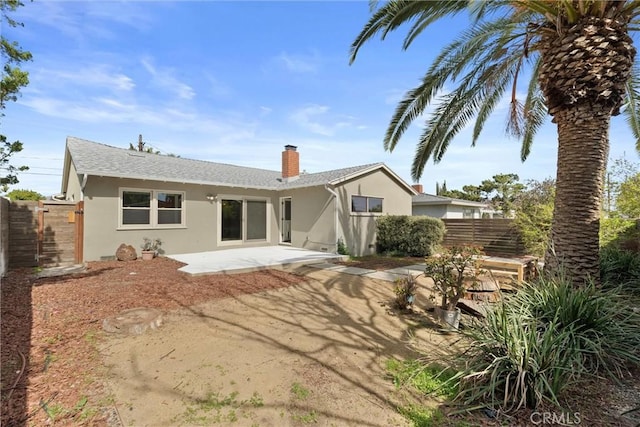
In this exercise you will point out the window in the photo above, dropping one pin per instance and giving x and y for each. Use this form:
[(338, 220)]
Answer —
[(231, 220), (151, 208), (467, 213), (242, 219), (364, 204)]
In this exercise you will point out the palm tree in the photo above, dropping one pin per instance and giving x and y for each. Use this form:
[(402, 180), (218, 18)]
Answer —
[(581, 62)]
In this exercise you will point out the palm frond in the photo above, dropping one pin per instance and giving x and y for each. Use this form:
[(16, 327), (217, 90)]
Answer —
[(631, 109), (398, 12), (475, 46), (535, 112)]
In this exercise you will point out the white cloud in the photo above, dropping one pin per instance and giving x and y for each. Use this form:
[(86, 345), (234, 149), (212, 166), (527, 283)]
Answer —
[(165, 79), (299, 63), (306, 118), (96, 75)]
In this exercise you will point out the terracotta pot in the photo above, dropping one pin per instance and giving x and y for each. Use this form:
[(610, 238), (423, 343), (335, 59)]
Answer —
[(148, 255)]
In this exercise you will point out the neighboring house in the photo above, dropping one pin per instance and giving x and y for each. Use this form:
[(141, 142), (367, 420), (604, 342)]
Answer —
[(195, 206), (448, 208)]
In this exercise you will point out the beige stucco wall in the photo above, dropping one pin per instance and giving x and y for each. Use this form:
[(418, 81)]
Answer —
[(445, 211), (312, 218), (73, 190), (313, 215), (102, 236), (359, 229)]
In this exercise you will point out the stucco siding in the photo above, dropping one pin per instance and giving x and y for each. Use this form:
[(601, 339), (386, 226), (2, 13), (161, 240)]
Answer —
[(312, 218), (102, 234), (359, 229), (437, 211), (444, 211), (73, 192)]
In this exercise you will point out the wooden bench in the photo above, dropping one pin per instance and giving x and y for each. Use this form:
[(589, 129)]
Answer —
[(515, 267)]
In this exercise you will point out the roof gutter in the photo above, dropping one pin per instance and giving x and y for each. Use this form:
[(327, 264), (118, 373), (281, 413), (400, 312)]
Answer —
[(83, 184), (335, 215)]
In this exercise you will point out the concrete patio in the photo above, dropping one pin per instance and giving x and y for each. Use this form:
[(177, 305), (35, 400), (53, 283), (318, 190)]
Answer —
[(242, 260)]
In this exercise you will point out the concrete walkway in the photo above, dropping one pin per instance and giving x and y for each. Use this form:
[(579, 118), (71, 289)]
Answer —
[(388, 275)]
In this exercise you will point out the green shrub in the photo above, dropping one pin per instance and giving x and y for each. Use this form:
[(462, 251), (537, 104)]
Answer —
[(24, 195), (620, 268), (544, 338), (342, 248), (407, 235), (617, 231), (426, 234)]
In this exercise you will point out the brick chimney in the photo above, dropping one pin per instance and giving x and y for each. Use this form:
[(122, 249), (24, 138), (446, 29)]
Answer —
[(418, 188), (290, 162)]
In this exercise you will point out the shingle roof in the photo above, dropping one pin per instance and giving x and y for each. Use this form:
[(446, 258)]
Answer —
[(92, 158), (430, 199)]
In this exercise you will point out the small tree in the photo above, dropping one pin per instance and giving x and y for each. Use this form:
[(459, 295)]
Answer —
[(13, 79), (24, 195), (452, 271)]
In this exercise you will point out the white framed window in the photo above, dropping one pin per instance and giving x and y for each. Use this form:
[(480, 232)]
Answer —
[(142, 208), (366, 204), (242, 219), (468, 213)]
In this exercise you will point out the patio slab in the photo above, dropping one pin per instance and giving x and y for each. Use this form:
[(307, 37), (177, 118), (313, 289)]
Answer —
[(242, 260), (356, 271)]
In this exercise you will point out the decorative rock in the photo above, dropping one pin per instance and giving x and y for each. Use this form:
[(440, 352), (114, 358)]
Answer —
[(134, 321), (126, 253)]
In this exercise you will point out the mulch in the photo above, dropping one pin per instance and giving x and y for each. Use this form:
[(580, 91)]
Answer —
[(51, 369)]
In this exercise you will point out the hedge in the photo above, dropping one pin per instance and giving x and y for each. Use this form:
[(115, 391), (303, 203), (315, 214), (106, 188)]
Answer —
[(409, 235)]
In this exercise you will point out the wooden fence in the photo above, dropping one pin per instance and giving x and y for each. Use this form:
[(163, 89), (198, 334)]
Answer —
[(47, 233), (498, 237), (23, 234)]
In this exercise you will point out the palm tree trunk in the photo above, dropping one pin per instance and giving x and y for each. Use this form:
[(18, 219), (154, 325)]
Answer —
[(583, 147)]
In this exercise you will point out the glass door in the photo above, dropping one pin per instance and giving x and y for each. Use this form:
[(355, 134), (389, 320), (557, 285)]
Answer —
[(285, 219)]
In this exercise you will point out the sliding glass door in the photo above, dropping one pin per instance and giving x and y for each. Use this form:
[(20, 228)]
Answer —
[(243, 220)]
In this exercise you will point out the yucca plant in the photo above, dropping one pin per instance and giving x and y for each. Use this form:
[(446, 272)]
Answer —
[(549, 335), (515, 363), (600, 323)]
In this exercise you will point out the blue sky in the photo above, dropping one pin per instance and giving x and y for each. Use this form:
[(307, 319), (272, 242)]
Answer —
[(234, 82)]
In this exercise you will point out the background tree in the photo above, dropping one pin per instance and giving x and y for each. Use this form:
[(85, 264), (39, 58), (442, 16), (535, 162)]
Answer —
[(581, 59), (13, 79), (533, 214), (24, 195), (628, 198), (501, 190), (619, 171)]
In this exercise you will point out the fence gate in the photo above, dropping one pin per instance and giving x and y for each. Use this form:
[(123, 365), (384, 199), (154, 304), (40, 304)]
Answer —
[(46, 233), (59, 233)]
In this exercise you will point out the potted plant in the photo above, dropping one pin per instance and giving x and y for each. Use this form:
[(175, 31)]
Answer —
[(405, 290), (452, 271), (150, 248)]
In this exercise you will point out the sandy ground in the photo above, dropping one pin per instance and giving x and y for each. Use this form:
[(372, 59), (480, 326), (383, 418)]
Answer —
[(311, 353)]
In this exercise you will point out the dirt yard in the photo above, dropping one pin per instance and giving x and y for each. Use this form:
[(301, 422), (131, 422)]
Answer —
[(260, 349), (265, 348)]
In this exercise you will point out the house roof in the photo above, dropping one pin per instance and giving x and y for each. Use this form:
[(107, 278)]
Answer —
[(92, 158), (430, 199)]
